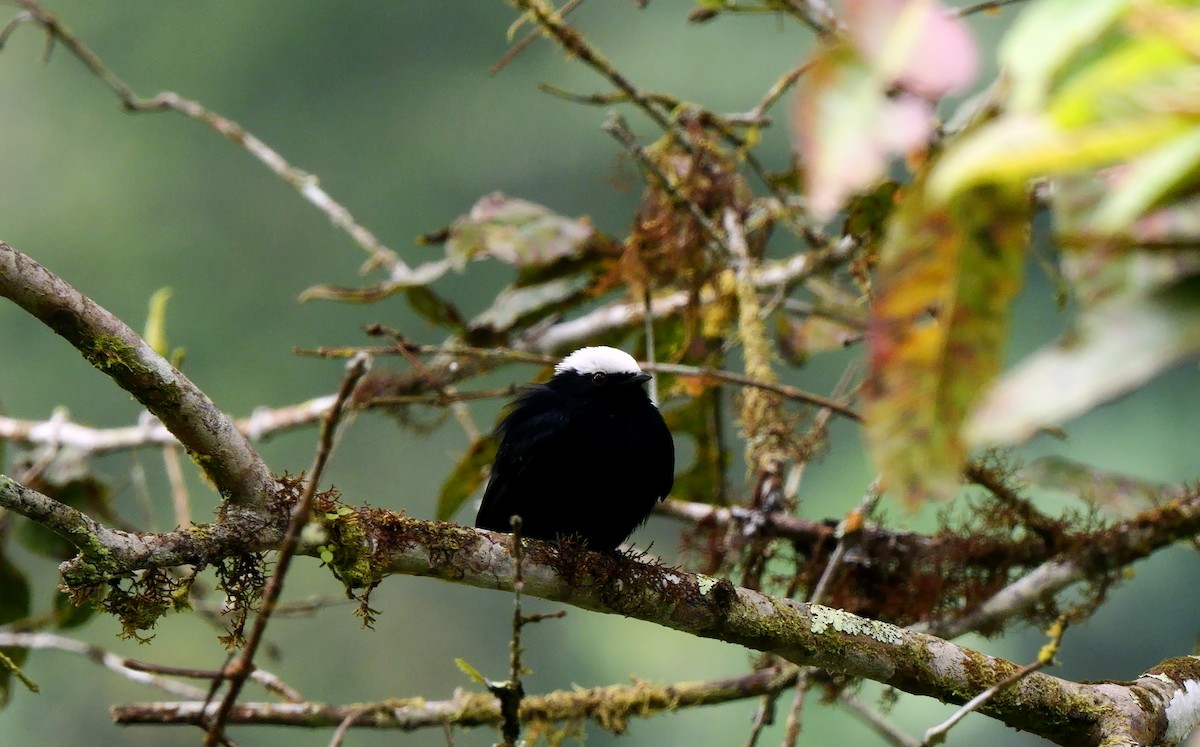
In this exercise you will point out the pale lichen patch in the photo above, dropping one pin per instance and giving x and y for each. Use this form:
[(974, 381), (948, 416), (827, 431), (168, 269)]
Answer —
[(1182, 712), (706, 584), (824, 618)]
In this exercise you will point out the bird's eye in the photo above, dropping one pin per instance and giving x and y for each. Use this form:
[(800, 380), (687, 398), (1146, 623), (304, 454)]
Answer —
[(599, 377)]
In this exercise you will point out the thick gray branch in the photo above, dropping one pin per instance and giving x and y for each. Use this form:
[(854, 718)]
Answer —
[(107, 553), (368, 544), (111, 346)]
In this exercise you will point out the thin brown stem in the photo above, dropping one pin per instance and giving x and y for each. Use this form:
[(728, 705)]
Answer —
[(306, 184), (575, 45), (240, 669), (529, 38)]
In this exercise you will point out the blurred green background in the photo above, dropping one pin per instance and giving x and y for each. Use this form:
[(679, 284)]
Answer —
[(391, 105)]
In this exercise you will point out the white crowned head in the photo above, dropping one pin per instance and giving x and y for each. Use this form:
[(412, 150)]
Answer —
[(598, 359)]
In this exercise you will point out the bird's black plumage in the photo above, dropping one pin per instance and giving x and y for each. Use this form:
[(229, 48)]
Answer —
[(586, 455)]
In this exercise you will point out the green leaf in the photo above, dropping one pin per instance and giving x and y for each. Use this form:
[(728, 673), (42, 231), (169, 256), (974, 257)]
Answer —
[(1015, 149), (1093, 85), (156, 322), (14, 605), (67, 614), (515, 231), (470, 671), (433, 308), (1045, 37), (697, 419), (517, 308), (1146, 181), (946, 279), (1117, 346), (466, 477), (1135, 78)]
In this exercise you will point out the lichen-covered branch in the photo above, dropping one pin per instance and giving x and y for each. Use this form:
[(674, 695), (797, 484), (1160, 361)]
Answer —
[(106, 553), (372, 543), (610, 707), (369, 544), (210, 437)]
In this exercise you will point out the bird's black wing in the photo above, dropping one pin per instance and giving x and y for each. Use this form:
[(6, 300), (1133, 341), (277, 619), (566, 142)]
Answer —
[(530, 444), (661, 452)]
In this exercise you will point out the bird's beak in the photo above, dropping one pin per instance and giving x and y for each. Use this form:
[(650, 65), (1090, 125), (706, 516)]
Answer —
[(641, 378)]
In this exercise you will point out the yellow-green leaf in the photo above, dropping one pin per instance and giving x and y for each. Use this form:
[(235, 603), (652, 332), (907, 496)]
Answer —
[(470, 671), (946, 280), (466, 477), (156, 322), (1015, 149), (14, 605), (1146, 181), (1045, 37)]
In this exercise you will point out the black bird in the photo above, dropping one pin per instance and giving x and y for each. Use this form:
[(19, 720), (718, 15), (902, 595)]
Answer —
[(585, 455)]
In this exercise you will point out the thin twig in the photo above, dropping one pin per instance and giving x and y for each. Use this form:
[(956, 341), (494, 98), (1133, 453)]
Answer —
[(619, 129), (179, 492), (876, 720), (135, 671), (850, 532), (239, 670), (339, 734), (605, 99), (306, 184), (575, 45), (849, 535), (648, 329), (511, 692), (937, 734), (776, 91), (988, 5), (528, 39), (816, 13), (446, 393), (674, 369), (270, 682)]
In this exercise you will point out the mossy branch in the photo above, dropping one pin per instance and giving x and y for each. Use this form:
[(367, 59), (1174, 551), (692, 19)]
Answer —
[(610, 707), (370, 544), (209, 435)]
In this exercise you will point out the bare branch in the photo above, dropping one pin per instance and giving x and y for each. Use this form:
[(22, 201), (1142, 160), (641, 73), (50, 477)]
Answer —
[(119, 664), (575, 45), (306, 184), (876, 721), (263, 423), (210, 437), (529, 38), (608, 705)]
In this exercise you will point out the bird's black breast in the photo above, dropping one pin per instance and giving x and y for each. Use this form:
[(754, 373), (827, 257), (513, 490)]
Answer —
[(589, 464)]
